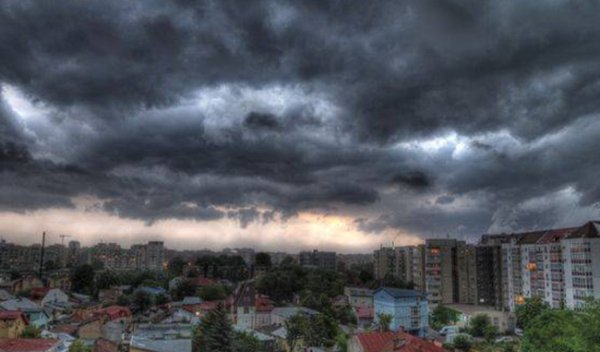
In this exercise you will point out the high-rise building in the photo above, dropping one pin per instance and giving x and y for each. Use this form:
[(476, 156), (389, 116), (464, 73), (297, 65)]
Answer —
[(318, 259), (441, 270), (581, 250), (155, 255)]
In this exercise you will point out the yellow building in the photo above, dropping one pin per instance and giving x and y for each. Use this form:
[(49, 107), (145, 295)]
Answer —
[(12, 324)]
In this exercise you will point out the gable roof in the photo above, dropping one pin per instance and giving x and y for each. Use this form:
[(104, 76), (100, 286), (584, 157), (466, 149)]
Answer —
[(385, 341), (591, 229), (531, 237), (13, 315), (400, 293), (556, 235), (28, 345)]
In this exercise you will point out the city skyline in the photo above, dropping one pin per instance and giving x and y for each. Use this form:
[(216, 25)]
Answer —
[(293, 126)]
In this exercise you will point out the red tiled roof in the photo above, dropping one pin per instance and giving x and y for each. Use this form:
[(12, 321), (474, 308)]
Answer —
[(364, 313), (263, 304), (13, 315), (202, 281), (27, 345), (384, 342), (104, 345), (65, 328), (115, 312), (590, 229)]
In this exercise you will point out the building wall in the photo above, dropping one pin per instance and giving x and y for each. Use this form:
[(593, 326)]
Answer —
[(11, 328), (410, 313)]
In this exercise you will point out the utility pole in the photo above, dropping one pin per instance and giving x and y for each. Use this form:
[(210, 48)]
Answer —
[(42, 254)]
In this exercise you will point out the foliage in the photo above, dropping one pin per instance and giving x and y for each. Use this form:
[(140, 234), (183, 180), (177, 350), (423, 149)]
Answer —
[(106, 279), (480, 324), (31, 332), (244, 342), (442, 316), (184, 289), (175, 266), (123, 300), (564, 331), (462, 343), (82, 279), (317, 330), (79, 346), (282, 283), (232, 268), (214, 333), (384, 321), (213, 292), (262, 259), (142, 300), (345, 315), (161, 299), (143, 278), (532, 308)]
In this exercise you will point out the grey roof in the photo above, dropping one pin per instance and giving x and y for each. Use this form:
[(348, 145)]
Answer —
[(192, 300), (180, 345), (288, 312), (401, 293), (5, 295), (19, 303)]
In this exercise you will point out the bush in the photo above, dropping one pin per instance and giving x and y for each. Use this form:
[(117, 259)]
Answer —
[(462, 343)]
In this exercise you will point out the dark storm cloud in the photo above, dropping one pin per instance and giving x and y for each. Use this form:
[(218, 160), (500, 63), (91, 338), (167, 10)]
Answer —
[(392, 72)]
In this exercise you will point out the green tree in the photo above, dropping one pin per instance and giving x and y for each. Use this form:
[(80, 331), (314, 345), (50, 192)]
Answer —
[(161, 299), (462, 343), (123, 300), (213, 292), (79, 346), (384, 321), (479, 325), (245, 342), (82, 279), (442, 316), (176, 266), (564, 330), (31, 332), (184, 289), (106, 279), (532, 308), (214, 333), (296, 327), (263, 259), (142, 300)]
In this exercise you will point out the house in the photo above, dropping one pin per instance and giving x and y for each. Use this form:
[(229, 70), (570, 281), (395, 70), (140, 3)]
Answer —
[(359, 297), (104, 345), (60, 281), (90, 329), (110, 295), (503, 321), (364, 316), (36, 315), (390, 341), (53, 296), (12, 324), (29, 345), (26, 283), (161, 338), (120, 313), (5, 295), (408, 308), (250, 309), (280, 315)]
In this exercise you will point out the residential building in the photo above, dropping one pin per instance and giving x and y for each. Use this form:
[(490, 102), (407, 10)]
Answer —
[(318, 259), (30, 345), (441, 270), (408, 308), (390, 341), (154, 255), (12, 324), (504, 322), (359, 297), (581, 250)]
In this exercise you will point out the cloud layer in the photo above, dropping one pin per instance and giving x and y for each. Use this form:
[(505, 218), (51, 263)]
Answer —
[(422, 117)]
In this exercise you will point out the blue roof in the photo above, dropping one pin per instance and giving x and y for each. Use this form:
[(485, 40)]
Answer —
[(401, 293)]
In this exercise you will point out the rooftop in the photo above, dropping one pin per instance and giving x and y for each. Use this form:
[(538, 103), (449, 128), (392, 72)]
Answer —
[(386, 341), (401, 293), (27, 345)]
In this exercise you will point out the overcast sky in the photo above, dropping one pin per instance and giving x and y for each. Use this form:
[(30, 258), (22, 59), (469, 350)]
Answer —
[(297, 124)]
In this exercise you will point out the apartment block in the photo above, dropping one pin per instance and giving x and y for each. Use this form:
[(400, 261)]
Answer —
[(581, 249), (318, 259), (441, 270)]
